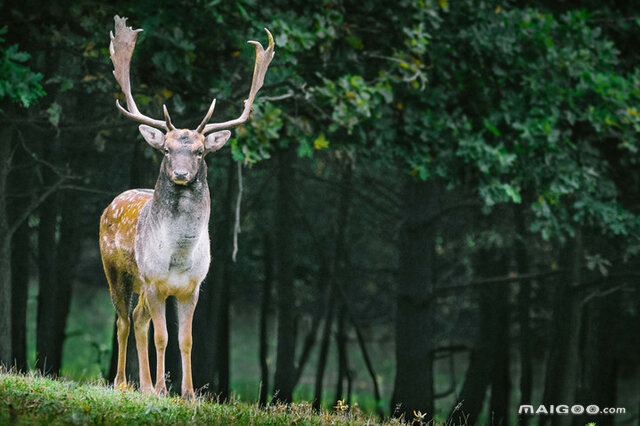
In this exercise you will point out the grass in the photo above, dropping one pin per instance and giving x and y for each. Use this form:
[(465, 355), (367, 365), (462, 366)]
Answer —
[(34, 399)]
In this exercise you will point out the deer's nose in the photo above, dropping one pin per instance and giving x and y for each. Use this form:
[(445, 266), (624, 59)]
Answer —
[(180, 176)]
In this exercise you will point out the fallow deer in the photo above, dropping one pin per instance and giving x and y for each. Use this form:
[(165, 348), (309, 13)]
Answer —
[(155, 242)]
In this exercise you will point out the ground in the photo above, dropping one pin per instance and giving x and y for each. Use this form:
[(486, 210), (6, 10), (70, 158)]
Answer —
[(33, 399)]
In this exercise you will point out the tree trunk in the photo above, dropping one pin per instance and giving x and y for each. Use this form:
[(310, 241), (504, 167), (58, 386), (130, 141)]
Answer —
[(264, 317), (319, 311), (57, 258), (562, 363), (223, 365), (54, 283), (599, 359), (524, 318), (500, 383), (413, 386), (66, 258), (488, 364), (202, 354), (285, 352), (222, 279), (369, 365), (341, 344), (48, 358), (20, 253), (337, 276), (478, 374), (324, 348), (5, 303), (5, 252)]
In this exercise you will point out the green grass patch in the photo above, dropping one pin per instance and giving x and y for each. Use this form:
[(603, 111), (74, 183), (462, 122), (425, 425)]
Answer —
[(33, 399)]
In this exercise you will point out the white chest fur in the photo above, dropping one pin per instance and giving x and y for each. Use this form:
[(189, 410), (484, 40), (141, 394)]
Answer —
[(174, 252)]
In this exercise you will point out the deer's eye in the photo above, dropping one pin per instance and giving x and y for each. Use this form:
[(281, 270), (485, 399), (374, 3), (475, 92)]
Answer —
[(199, 153), (166, 151)]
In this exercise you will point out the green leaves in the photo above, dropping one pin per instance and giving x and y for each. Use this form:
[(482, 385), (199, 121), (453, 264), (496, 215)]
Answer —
[(53, 114), (534, 98), (493, 129), (497, 192), (351, 100), (321, 142), (17, 81), (305, 149), (253, 142)]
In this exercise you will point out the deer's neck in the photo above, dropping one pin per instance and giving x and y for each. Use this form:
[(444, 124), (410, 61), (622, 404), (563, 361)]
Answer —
[(173, 241), (182, 208)]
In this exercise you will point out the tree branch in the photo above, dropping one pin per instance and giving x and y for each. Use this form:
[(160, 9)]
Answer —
[(365, 197), (35, 157), (282, 97), (90, 190), (443, 291), (236, 226), (35, 203)]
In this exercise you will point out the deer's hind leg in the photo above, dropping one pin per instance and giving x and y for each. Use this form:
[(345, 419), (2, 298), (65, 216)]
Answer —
[(141, 318), (120, 290)]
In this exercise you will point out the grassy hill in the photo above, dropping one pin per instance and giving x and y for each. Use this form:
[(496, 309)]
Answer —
[(33, 399)]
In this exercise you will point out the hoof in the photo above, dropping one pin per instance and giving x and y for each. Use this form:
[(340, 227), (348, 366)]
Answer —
[(146, 389), (189, 395), (161, 391)]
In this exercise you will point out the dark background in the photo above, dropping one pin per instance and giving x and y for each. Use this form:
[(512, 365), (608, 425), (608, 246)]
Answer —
[(440, 208)]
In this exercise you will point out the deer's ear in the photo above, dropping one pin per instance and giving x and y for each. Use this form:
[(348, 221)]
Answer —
[(216, 140), (154, 137)]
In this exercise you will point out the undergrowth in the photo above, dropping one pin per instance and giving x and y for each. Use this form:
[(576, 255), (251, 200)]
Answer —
[(34, 399)]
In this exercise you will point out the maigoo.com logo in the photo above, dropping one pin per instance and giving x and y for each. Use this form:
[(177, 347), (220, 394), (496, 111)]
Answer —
[(565, 409)]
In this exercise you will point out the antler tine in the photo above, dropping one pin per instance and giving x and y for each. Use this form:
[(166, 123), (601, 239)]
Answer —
[(121, 50), (207, 117), (263, 59), (167, 119)]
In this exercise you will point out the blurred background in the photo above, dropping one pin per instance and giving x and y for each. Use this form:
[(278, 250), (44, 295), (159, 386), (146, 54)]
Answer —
[(440, 207)]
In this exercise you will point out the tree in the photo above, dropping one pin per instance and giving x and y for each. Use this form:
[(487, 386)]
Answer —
[(19, 84)]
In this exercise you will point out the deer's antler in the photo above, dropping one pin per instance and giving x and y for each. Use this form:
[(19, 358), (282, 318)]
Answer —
[(121, 50), (263, 58)]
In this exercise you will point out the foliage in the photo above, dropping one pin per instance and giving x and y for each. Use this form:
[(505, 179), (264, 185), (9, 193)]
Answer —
[(17, 81), (508, 100), (522, 101)]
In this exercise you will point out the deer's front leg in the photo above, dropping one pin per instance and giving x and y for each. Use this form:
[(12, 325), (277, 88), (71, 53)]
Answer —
[(186, 308), (156, 306)]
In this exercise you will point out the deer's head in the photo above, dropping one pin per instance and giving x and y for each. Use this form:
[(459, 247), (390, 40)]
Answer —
[(183, 149)]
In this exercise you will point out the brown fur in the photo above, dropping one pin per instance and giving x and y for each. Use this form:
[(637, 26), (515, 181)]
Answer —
[(117, 235), (117, 242)]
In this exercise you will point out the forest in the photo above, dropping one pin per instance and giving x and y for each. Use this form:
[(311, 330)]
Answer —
[(433, 211)]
